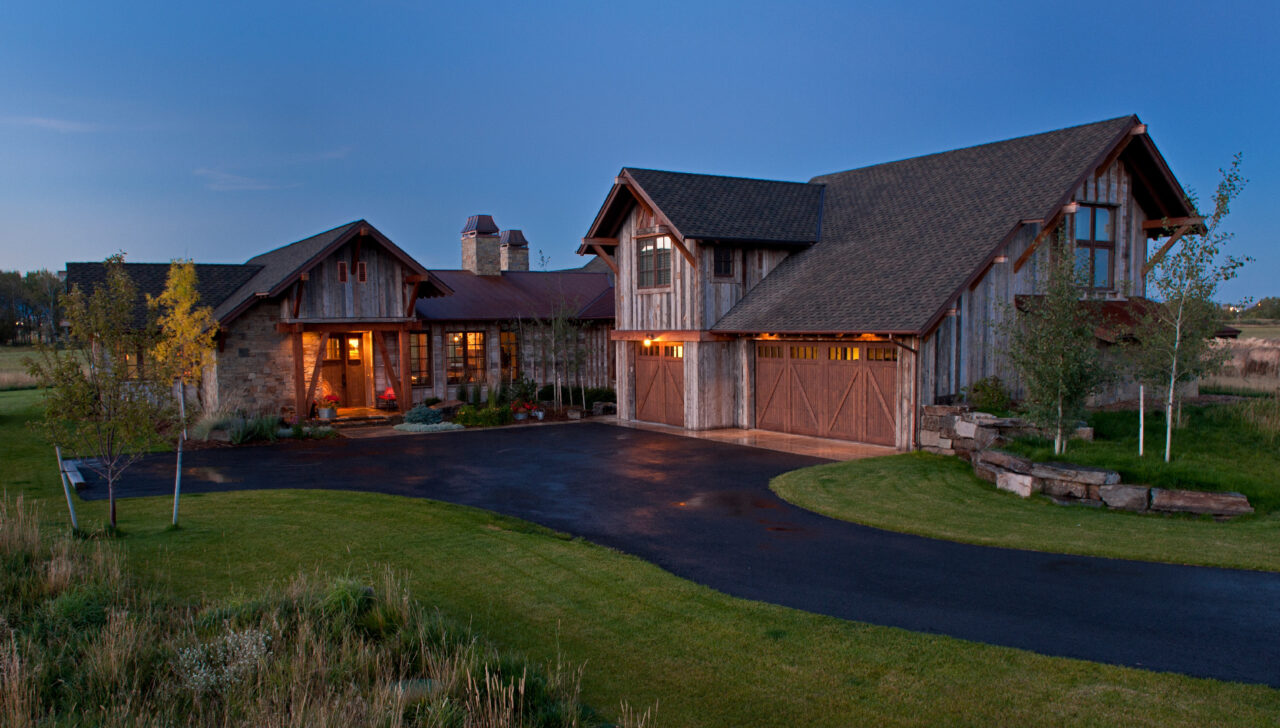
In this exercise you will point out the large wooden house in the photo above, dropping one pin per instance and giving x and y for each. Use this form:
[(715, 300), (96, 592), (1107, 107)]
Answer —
[(840, 306), (348, 313)]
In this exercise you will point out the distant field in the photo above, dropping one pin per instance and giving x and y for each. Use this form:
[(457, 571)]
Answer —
[(1259, 331), (13, 375)]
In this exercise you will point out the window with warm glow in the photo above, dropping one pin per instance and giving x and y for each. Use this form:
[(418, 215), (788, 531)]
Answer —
[(333, 349), (1095, 245), (509, 350), (464, 357), (653, 261), (420, 358), (353, 348)]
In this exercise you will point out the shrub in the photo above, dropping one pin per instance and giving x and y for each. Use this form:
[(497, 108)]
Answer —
[(477, 396), (438, 427), (431, 400), (253, 429), (989, 395), (463, 395), (523, 389), (423, 415), (470, 416), (547, 393), (600, 394)]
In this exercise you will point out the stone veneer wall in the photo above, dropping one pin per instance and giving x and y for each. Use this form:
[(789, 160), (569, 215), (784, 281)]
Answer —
[(255, 365)]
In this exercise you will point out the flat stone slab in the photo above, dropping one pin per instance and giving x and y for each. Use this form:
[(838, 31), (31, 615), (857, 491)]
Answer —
[(1125, 497), (1198, 501), (1002, 459), (1077, 473), (1064, 488)]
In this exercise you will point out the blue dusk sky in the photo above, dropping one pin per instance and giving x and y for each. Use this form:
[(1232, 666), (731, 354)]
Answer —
[(217, 131)]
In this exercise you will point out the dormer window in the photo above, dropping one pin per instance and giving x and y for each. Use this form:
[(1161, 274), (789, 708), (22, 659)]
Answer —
[(723, 267), (1095, 245), (653, 261)]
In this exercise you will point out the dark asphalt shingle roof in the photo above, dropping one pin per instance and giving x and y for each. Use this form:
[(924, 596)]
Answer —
[(899, 239), (215, 282), (711, 207), (277, 265), (519, 294)]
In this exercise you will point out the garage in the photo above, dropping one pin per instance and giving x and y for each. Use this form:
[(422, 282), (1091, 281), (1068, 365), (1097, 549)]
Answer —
[(660, 384), (843, 390)]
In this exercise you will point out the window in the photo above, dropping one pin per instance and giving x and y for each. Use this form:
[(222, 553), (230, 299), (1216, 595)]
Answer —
[(653, 261), (342, 271), (420, 358), (464, 357), (878, 354), (133, 364), (333, 349), (1095, 245), (509, 352), (673, 351), (723, 267), (769, 351), (804, 352), (353, 348), (362, 274), (650, 350), (843, 353)]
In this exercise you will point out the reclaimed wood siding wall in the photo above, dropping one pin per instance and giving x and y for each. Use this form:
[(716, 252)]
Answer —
[(712, 399), (670, 307), (969, 345), (380, 296), (750, 266)]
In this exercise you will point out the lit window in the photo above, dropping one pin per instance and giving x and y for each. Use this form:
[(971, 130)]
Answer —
[(464, 357), (353, 348), (653, 262), (509, 351), (420, 358), (1095, 245)]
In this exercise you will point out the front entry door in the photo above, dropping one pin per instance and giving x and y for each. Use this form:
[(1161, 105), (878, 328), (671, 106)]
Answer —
[(344, 368)]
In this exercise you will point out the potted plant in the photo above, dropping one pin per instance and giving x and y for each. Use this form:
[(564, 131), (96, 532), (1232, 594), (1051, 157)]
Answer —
[(520, 409), (328, 406)]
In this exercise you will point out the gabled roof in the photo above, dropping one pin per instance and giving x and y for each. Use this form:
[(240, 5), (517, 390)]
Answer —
[(279, 268), (519, 294), (715, 208), (214, 282), (901, 240)]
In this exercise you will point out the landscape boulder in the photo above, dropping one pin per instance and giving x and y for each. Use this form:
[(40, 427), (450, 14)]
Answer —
[(1018, 483), (1125, 497), (1002, 459)]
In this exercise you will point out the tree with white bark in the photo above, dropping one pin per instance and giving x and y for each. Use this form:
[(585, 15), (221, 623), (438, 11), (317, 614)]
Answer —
[(1174, 339)]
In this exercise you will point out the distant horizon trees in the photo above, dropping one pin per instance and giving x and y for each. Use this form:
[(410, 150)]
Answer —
[(30, 306)]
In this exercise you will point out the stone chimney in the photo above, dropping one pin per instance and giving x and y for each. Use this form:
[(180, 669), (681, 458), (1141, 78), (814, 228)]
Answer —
[(515, 250), (480, 246)]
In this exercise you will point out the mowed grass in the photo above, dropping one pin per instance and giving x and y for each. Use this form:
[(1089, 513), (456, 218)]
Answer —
[(937, 496), (1259, 331), (645, 636)]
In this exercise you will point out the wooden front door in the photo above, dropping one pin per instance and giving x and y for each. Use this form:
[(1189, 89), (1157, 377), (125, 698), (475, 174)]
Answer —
[(660, 384), (344, 363), (843, 390)]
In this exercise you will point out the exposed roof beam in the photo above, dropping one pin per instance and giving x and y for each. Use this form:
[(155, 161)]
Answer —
[(1182, 230), (1172, 223), (676, 241), (604, 255), (1067, 209)]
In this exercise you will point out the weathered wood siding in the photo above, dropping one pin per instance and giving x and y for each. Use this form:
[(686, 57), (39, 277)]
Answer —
[(380, 297), (968, 345), (535, 360), (750, 266)]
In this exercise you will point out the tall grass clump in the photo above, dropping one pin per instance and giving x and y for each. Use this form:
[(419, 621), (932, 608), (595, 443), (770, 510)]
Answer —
[(82, 643)]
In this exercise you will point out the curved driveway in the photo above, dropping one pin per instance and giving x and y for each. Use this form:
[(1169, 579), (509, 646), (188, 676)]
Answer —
[(703, 510)]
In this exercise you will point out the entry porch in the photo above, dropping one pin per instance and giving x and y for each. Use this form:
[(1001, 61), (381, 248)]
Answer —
[(357, 366)]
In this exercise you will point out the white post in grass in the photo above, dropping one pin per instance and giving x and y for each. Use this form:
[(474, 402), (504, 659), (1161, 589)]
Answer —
[(1142, 417), (182, 436), (62, 474)]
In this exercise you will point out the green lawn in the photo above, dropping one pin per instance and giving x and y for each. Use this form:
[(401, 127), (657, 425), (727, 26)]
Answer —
[(1259, 331), (644, 635), (13, 373), (940, 497)]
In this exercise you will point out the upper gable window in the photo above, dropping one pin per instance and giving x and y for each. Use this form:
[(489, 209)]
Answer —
[(653, 261), (1095, 233), (342, 271), (362, 273), (723, 267)]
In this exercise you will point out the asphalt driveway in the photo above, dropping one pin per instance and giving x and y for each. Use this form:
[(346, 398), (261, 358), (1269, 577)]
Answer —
[(703, 511)]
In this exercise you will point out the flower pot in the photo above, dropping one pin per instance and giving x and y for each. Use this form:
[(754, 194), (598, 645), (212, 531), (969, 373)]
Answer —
[(328, 413), (538, 414)]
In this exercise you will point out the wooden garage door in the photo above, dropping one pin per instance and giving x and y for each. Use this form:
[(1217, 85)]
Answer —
[(842, 390), (660, 384)]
